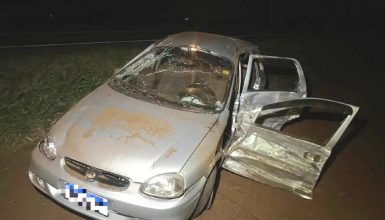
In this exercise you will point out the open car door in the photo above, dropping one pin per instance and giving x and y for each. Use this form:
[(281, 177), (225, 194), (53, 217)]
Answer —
[(271, 156)]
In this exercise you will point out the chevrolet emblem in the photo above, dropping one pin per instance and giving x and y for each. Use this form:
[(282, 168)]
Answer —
[(90, 175)]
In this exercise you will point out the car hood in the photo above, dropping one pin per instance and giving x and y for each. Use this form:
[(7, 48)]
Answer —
[(129, 137)]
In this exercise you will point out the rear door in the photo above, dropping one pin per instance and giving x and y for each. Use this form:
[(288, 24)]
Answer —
[(266, 80), (271, 155), (271, 79)]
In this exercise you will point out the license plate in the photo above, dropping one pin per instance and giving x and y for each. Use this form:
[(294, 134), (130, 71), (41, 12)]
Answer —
[(82, 197)]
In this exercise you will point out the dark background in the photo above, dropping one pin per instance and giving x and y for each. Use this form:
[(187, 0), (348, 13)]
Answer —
[(86, 15)]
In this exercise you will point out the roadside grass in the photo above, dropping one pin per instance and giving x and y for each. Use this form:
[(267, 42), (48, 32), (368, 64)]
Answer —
[(38, 85)]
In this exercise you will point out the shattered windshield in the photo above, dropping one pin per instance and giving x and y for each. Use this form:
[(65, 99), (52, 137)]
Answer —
[(186, 77)]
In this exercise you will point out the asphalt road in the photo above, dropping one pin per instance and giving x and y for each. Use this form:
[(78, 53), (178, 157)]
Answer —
[(341, 67)]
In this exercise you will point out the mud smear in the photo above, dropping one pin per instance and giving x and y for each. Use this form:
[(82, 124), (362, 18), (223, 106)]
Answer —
[(89, 133), (169, 152), (138, 126)]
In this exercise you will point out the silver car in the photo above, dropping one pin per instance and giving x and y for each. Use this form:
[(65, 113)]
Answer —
[(150, 142)]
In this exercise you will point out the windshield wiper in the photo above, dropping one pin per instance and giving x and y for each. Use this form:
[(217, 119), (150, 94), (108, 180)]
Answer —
[(170, 99), (157, 97), (138, 91)]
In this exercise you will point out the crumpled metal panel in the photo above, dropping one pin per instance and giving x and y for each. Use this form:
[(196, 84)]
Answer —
[(255, 156), (271, 157)]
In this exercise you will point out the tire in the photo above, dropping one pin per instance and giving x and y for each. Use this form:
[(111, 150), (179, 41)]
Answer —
[(207, 196)]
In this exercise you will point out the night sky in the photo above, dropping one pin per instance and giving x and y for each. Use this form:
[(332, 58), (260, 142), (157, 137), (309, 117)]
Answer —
[(46, 15)]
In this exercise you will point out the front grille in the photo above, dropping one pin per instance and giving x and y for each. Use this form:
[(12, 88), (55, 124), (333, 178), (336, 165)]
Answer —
[(101, 175)]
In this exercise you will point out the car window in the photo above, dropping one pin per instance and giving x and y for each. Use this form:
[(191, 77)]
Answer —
[(273, 75), (187, 75)]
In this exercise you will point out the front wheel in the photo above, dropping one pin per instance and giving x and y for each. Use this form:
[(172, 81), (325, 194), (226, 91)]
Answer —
[(208, 192)]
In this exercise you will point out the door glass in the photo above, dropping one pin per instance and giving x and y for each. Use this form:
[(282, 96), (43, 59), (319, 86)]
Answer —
[(274, 74)]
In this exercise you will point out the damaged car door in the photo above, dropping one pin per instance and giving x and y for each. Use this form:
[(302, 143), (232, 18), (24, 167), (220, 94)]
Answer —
[(264, 151), (266, 80)]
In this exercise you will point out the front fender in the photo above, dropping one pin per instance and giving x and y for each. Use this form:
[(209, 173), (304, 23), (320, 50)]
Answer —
[(204, 158)]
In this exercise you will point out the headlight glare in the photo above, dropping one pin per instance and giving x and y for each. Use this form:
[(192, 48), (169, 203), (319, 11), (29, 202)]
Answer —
[(169, 186), (47, 147)]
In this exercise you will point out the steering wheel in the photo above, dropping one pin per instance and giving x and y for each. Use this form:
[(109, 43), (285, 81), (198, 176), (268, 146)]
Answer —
[(199, 94)]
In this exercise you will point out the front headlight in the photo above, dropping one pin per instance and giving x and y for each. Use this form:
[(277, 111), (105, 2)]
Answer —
[(47, 147), (168, 186)]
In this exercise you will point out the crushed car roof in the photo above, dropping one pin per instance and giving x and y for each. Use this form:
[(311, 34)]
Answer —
[(222, 45)]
